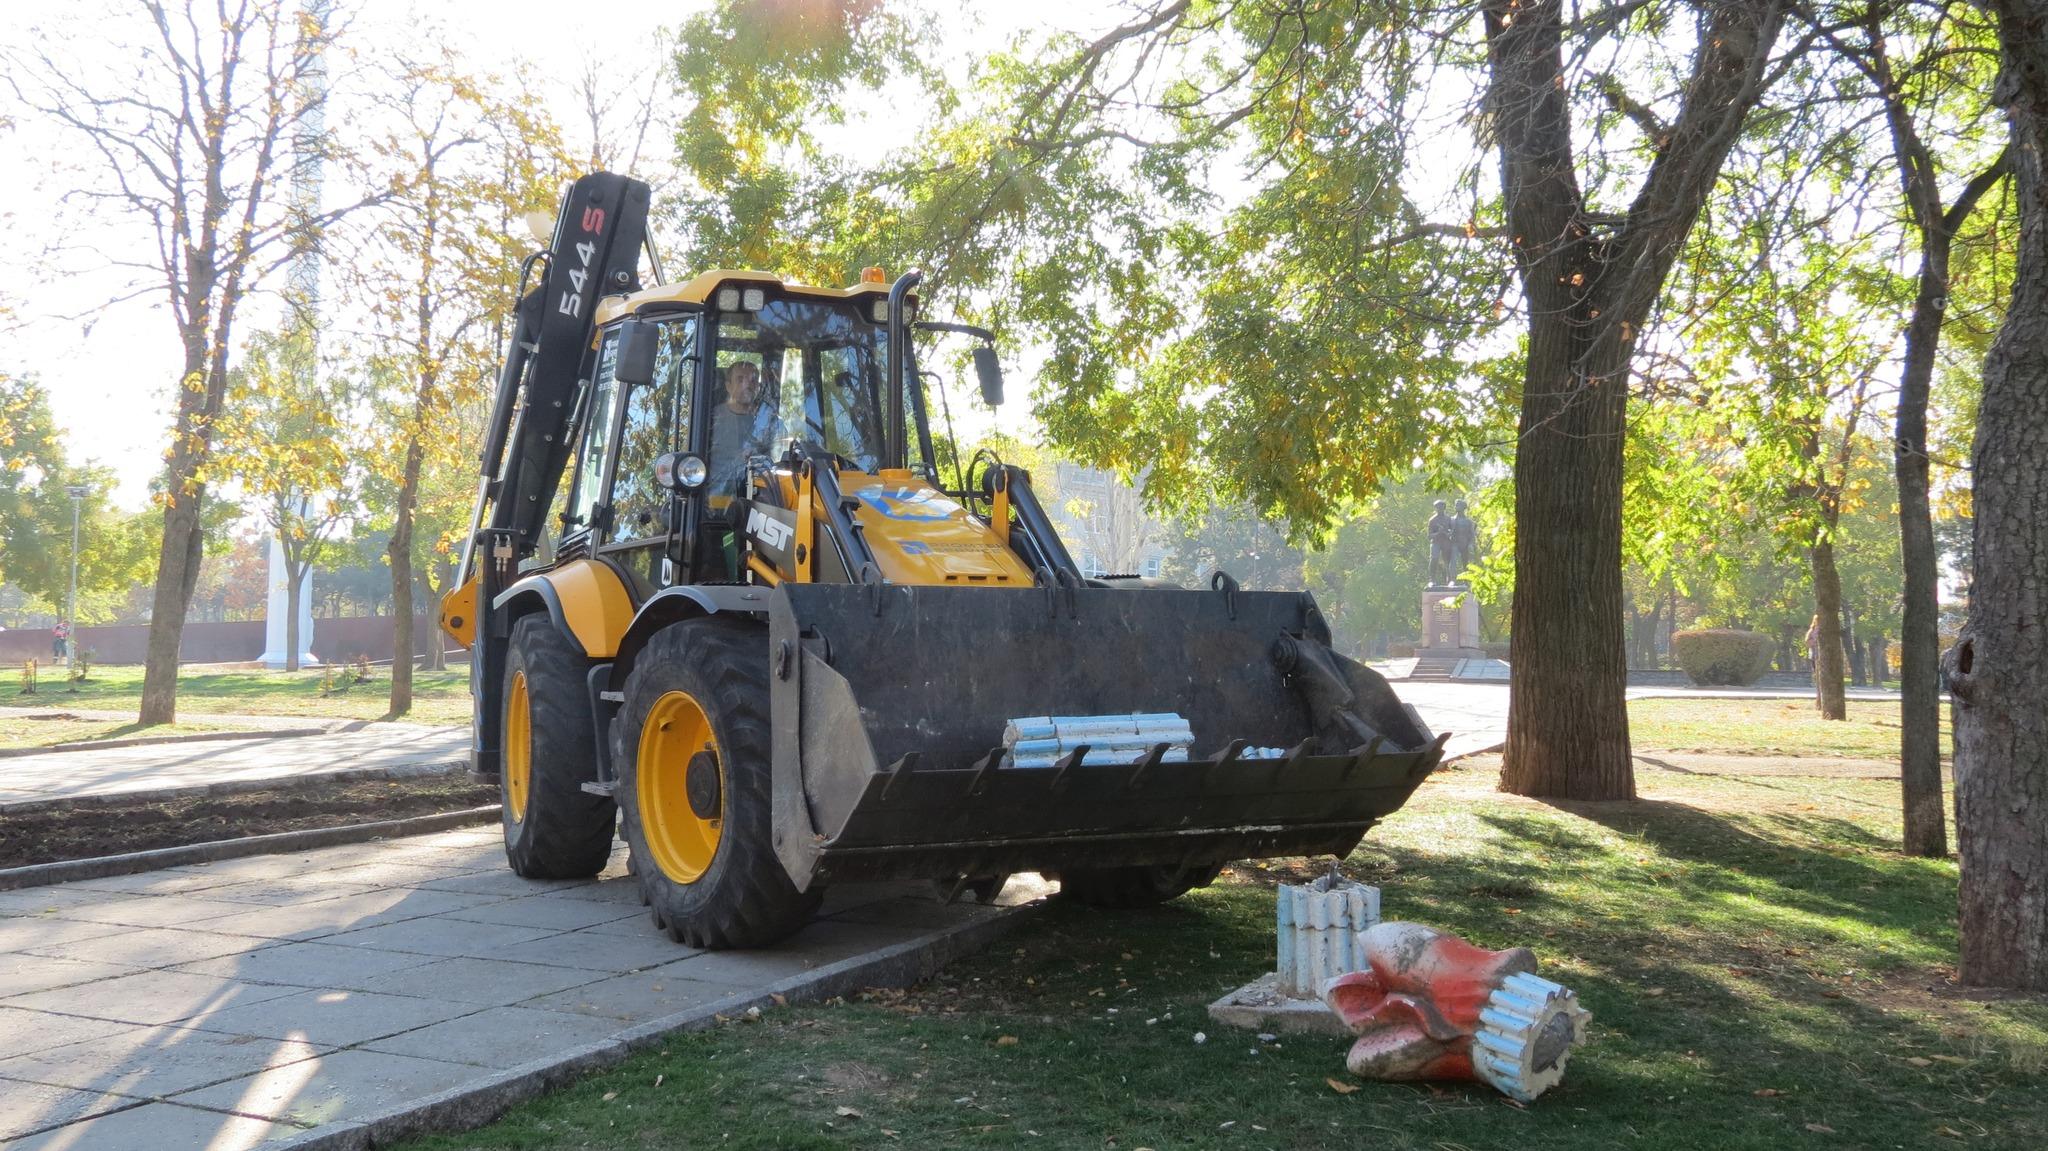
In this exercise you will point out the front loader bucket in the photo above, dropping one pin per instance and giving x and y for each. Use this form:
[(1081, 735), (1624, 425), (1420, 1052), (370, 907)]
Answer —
[(890, 704)]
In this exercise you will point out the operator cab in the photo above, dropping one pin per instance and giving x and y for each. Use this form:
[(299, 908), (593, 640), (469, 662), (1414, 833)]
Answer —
[(698, 390)]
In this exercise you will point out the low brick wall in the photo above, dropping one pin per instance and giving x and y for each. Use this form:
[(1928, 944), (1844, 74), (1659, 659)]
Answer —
[(334, 640)]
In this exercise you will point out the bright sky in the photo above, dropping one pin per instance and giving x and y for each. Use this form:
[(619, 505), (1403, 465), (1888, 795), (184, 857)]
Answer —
[(109, 368)]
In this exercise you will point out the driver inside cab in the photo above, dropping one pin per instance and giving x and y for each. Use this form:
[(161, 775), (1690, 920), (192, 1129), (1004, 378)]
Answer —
[(741, 427)]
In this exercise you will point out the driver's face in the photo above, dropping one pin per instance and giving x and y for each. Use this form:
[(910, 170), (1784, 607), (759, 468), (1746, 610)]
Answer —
[(743, 386)]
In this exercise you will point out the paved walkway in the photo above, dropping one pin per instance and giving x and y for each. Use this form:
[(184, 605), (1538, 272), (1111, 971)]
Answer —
[(111, 771), (225, 1005)]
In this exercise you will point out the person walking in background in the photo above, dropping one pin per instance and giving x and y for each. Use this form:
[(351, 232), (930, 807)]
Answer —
[(60, 638)]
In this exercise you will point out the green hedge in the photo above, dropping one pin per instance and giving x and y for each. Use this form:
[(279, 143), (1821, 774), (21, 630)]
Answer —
[(1723, 655)]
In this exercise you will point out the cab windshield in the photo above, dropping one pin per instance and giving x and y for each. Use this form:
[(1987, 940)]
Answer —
[(808, 370)]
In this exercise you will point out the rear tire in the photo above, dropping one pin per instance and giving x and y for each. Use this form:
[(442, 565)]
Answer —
[(705, 850), (553, 828), (1124, 887)]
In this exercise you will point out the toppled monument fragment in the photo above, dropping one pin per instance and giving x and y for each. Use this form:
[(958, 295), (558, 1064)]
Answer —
[(1428, 1005)]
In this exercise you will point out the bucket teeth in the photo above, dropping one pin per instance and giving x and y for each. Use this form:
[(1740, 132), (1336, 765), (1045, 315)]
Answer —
[(1527, 1031)]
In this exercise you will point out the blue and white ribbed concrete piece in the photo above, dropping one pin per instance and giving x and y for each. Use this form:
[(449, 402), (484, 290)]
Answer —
[(1317, 926), (1043, 740), (1527, 1031)]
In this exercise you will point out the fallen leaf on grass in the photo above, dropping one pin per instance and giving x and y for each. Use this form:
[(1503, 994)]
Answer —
[(1766, 1092), (1916, 1061), (1006, 1041), (610, 1095), (1948, 1131), (1820, 1128), (779, 999), (1341, 1087), (846, 1112), (891, 1134), (659, 1078), (1955, 1059)]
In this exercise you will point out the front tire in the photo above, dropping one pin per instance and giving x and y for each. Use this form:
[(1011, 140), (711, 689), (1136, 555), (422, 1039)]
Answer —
[(553, 828), (694, 781)]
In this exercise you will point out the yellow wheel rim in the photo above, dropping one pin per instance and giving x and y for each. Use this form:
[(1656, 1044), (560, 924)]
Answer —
[(518, 747), (681, 841)]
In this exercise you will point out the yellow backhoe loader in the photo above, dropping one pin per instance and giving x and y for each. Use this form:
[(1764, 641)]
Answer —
[(718, 601)]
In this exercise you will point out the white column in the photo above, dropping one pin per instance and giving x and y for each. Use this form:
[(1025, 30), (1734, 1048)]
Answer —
[(278, 606)]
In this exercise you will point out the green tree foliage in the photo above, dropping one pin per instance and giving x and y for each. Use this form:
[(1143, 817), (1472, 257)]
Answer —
[(289, 437), (114, 547)]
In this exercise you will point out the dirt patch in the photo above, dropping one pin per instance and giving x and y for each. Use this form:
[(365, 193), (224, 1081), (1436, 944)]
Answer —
[(114, 828)]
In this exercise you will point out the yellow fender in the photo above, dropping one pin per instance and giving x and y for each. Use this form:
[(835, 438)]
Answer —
[(586, 597)]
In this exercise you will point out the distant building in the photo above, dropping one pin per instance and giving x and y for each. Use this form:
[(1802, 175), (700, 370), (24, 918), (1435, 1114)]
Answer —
[(1104, 523)]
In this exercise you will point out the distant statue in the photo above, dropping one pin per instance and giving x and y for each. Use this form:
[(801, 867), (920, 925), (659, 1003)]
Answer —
[(1440, 547), (1464, 542)]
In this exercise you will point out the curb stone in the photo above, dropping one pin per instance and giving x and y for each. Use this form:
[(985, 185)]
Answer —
[(235, 787), (475, 1104), (99, 867)]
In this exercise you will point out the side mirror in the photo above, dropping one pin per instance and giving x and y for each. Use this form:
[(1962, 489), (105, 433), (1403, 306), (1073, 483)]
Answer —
[(990, 371), (633, 365)]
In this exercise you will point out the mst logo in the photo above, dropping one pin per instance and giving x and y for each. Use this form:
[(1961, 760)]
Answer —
[(768, 529)]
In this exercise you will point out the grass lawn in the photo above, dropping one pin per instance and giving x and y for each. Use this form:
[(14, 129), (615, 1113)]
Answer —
[(438, 696), (42, 728), (1764, 971), (1789, 727)]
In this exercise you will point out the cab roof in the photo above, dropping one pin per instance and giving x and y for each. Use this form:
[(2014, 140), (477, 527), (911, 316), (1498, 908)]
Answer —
[(700, 288)]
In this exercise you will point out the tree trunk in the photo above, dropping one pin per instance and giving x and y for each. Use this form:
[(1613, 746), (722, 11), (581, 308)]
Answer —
[(1926, 824), (1589, 287), (295, 577), (1879, 655), (1827, 653), (1998, 669), (180, 550), (400, 551)]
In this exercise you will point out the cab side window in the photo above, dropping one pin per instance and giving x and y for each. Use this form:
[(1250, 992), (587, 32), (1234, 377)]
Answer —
[(597, 430), (657, 421)]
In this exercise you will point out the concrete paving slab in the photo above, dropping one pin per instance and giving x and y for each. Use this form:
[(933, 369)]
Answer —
[(331, 1017), (288, 865), (540, 981), (307, 965), (158, 1127), (278, 892), (152, 911), (151, 1061), (348, 913), (616, 886), (501, 882), (22, 1032), (487, 982), (26, 1108), (499, 1036), (547, 911), (44, 900), (24, 931), (818, 944), (609, 953), (444, 937), (150, 947), (642, 996), (157, 882), (148, 997), (21, 974), (332, 1087)]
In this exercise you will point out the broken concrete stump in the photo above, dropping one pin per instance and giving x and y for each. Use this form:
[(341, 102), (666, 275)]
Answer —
[(1428, 1005), (1316, 928)]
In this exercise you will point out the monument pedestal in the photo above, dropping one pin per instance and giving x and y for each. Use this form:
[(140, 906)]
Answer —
[(1450, 623)]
